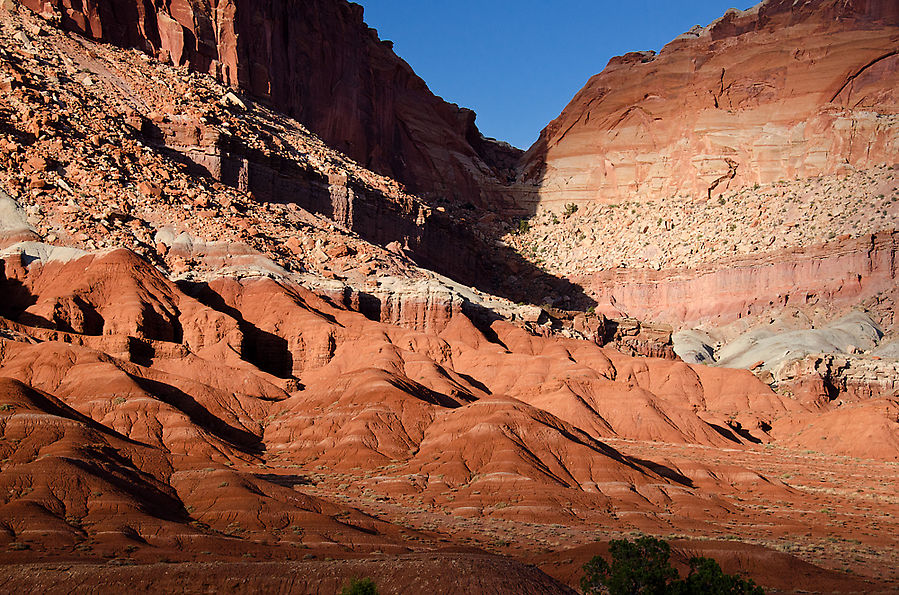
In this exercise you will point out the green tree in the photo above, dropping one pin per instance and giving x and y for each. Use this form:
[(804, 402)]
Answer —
[(360, 586), (706, 577), (638, 568), (642, 568)]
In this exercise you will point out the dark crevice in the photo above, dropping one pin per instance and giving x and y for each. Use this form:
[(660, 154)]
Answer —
[(852, 77)]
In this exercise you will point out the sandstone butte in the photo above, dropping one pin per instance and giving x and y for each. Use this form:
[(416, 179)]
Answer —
[(242, 349)]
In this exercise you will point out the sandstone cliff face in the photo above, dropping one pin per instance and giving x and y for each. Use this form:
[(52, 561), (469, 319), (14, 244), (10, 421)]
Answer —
[(316, 61), (782, 90)]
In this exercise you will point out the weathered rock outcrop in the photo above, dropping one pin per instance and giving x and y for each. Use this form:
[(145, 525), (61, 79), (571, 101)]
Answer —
[(785, 89), (316, 61)]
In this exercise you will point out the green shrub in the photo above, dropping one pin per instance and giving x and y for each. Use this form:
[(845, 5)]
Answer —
[(360, 586), (637, 567), (642, 568), (570, 209), (706, 576), (524, 226)]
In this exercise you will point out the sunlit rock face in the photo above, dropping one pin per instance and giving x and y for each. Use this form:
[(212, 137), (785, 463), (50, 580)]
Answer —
[(781, 90)]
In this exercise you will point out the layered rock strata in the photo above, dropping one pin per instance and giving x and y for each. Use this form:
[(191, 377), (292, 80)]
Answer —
[(781, 90), (832, 276)]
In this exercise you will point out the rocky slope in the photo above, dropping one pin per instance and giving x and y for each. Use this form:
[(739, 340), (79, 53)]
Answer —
[(174, 154), (673, 233), (318, 62), (781, 90)]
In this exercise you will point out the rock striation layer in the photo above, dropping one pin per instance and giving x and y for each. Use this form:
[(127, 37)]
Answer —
[(784, 89), (829, 276)]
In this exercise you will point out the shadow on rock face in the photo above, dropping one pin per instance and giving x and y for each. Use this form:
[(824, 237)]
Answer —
[(198, 414), (267, 351), (447, 244), (450, 243)]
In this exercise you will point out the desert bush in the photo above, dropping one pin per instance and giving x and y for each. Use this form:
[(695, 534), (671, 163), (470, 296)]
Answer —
[(637, 567), (360, 586), (707, 577), (641, 567)]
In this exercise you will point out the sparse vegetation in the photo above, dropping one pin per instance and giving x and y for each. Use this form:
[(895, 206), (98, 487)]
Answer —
[(570, 209), (706, 577), (360, 586), (643, 567)]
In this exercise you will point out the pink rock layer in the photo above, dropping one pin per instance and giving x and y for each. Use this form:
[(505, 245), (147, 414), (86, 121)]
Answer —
[(833, 275)]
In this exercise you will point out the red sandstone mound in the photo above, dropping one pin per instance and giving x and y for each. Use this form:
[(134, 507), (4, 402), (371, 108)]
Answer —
[(185, 376), (63, 470), (72, 483), (783, 89), (868, 429)]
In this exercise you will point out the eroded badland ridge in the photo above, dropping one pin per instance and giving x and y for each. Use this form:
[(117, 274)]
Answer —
[(269, 319)]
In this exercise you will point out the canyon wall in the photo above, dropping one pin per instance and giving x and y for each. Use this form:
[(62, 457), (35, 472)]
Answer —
[(781, 90), (316, 61)]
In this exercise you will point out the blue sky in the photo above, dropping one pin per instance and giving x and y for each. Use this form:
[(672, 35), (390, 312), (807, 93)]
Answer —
[(517, 63)]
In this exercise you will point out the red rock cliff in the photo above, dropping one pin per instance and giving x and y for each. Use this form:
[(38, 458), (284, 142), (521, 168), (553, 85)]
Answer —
[(317, 61), (781, 90)]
